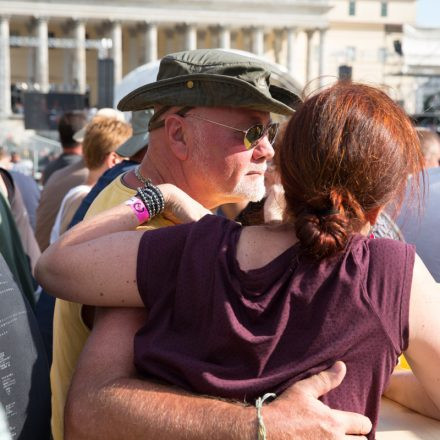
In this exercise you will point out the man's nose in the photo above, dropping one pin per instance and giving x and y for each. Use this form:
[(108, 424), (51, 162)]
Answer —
[(263, 149)]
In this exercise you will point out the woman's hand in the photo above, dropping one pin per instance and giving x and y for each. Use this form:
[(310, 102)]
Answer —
[(275, 204), (179, 206)]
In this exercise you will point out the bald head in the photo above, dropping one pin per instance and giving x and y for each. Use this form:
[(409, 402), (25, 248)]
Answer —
[(430, 145)]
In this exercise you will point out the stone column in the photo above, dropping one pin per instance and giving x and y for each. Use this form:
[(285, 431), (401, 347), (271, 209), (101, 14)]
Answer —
[(190, 36), (67, 58), (79, 56), (149, 37), (42, 61), (291, 41), (258, 41), (5, 69), (309, 33), (321, 65), (224, 37), (116, 51)]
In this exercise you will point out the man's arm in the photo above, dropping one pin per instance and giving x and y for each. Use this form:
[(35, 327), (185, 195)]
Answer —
[(106, 400)]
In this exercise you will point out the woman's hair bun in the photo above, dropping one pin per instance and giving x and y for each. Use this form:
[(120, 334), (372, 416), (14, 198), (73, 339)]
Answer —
[(324, 224)]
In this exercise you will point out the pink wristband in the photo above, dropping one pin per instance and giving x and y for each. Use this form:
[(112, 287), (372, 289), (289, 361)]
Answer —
[(139, 209)]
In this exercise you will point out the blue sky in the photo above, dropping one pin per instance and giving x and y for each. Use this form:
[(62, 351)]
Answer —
[(428, 13)]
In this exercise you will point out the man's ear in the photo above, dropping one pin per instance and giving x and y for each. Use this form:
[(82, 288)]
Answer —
[(112, 159), (175, 131)]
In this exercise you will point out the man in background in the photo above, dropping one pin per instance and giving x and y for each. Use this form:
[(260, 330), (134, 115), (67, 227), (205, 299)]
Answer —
[(133, 149), (60, 182), (421, 226), (101, 140), (68, 125), (430, 144)]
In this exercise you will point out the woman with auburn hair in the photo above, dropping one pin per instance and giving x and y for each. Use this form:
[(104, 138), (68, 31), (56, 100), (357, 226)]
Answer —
[(238, 312)]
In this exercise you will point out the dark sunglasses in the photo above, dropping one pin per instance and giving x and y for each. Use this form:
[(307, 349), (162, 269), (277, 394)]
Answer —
[(252, 135)]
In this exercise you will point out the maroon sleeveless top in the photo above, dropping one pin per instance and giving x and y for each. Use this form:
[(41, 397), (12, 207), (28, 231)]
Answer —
[(216, 329)]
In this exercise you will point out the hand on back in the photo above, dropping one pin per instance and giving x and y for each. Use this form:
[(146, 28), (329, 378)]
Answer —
[(298, 414)]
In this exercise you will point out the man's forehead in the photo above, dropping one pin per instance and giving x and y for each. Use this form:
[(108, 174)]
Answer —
[(237, 112)]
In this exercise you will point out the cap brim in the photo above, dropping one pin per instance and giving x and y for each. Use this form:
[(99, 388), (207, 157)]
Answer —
[(207, 90), (133, 145)]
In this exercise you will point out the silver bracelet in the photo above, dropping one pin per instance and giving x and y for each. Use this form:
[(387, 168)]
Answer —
[(140, 177)]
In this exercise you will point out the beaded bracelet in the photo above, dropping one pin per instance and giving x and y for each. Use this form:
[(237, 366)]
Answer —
[(152, 198), (150, 194)]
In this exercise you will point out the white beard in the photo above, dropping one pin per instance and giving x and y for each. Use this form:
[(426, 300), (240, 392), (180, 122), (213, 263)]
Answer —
[(252, 191)]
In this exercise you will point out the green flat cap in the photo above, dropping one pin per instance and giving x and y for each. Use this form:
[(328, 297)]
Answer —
[(212, 78)]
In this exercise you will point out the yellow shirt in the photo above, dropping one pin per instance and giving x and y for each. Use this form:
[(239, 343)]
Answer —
[(70, 333)]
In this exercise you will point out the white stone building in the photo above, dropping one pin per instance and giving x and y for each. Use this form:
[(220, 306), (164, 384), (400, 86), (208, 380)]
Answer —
[(55, 44), (367, 35), (421, 47)]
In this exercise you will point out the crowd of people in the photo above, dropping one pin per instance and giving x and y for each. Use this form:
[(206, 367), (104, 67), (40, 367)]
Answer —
[(235, 263)]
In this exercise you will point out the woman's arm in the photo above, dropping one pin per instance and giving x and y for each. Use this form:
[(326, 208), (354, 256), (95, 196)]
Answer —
[(422, 392), (405, 388), (94, 263)]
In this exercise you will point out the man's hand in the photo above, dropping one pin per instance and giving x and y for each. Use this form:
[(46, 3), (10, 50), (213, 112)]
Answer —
[(298, 414)]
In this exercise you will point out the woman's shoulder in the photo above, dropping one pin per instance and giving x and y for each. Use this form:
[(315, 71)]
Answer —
[(383, 259), (259, 245), (388, 246), (378, 245)]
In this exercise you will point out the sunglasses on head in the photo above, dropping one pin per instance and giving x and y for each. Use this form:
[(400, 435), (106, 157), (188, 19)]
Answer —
[(252, 135)]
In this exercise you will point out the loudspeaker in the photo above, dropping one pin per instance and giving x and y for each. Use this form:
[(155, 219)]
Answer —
[(344, 72), (106, 82), (43, 110)]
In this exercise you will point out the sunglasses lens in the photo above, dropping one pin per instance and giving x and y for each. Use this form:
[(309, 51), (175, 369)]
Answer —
[(253, 134), (272, 132)]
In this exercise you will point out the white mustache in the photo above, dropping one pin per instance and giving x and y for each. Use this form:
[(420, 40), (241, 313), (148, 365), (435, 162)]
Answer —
[(258, 170)]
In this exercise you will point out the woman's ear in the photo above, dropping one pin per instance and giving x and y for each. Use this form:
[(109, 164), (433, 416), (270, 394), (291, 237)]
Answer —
[(175, 131)]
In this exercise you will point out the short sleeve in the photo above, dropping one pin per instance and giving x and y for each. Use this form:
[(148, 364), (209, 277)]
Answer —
[(389, 286)]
